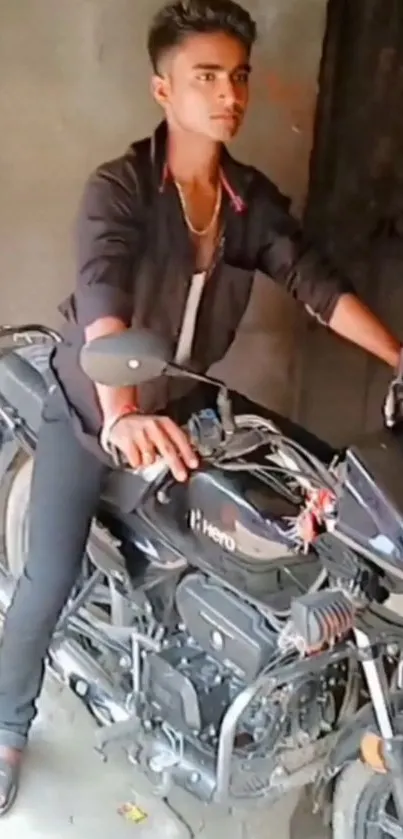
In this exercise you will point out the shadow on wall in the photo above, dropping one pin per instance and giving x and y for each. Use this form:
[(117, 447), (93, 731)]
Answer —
[(74, 92)]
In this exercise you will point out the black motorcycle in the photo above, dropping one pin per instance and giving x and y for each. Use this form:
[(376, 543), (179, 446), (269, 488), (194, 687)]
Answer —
[(238, 633)]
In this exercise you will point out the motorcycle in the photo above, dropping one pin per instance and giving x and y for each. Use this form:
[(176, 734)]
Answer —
[(236, 633)]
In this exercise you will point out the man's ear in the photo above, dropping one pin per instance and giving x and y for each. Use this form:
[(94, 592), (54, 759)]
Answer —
[(160, 89)]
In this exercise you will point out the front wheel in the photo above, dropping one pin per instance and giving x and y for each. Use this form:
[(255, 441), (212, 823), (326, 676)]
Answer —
[(16, 519), (363, 806), (14, 507)]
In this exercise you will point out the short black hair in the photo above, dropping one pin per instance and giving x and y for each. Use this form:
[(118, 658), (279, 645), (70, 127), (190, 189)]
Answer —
[(177, 20)]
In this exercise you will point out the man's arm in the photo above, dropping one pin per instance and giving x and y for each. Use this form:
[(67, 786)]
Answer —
[(113, 400), (110, 243), (352, 320), (283, 254), (109, 234)]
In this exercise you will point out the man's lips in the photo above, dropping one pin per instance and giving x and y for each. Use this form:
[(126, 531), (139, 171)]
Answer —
[(234, 117)]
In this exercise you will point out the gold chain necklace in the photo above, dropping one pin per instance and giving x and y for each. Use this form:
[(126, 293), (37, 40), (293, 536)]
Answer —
[(205, 230)]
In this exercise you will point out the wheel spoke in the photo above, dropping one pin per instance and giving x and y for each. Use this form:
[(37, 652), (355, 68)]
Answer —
[(389, 826)]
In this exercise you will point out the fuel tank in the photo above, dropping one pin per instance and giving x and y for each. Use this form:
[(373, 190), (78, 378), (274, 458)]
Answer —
[(232, 524), (218, 515), (240, 515)]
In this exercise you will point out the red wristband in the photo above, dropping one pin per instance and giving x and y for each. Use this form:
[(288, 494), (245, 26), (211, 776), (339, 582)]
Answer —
[(126, 411)]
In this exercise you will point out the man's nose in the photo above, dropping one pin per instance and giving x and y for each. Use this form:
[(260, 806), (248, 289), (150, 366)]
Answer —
[(227, 92)]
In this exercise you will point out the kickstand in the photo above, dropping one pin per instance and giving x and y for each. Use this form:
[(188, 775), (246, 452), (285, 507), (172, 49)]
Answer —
[(113, 733)]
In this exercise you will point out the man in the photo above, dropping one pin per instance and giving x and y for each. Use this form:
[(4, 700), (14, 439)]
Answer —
[(169, 237)]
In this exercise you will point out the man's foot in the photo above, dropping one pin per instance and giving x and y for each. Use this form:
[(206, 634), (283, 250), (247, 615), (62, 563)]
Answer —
[(10, 763)]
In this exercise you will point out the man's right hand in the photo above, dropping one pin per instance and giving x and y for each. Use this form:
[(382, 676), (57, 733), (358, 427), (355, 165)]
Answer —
[(143, 439), (393, 404)]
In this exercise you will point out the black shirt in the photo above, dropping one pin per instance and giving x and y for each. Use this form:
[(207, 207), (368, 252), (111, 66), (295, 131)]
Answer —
[(135, 262)]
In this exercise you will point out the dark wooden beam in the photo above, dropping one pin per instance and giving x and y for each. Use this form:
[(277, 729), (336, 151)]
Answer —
[(356, 172)]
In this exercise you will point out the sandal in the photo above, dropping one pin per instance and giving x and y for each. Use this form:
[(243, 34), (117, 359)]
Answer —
[(9, 782)]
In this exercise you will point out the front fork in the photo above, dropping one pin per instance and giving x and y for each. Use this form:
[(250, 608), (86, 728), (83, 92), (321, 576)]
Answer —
[(392, 744)]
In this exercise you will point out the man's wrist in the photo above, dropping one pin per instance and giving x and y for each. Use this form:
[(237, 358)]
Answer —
[(110, 422)]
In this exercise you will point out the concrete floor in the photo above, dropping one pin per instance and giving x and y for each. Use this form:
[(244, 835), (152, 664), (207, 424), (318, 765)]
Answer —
[(68, 792)]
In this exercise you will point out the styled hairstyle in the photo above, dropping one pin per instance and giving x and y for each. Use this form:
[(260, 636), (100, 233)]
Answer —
[(175, 21)]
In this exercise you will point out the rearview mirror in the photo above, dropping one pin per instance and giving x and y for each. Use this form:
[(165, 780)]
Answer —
[(128, 358)]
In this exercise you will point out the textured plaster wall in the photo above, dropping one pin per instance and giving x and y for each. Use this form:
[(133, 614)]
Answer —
[(74, 91)]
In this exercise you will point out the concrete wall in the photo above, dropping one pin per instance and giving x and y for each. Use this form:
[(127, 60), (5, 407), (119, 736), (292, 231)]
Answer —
[(74, 91)]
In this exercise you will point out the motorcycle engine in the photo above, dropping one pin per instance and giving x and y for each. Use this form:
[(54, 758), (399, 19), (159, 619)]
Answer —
[(220, 648)]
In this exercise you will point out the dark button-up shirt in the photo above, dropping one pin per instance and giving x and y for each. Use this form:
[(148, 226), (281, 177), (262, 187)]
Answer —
[(136, 260)]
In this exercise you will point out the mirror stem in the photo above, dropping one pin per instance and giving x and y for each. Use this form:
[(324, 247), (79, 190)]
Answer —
[(224, 405), (224, 402)]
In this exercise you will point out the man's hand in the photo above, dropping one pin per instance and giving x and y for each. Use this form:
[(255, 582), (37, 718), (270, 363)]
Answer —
[(142, 439), (353, 321), (393, 404)]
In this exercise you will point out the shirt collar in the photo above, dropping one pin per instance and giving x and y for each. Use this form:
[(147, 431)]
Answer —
[(230, 170)]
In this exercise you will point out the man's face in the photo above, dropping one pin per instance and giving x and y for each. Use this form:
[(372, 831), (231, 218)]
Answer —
[(203, 86)]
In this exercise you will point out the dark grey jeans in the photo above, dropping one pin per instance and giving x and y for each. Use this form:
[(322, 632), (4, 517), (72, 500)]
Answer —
[(67, 483)]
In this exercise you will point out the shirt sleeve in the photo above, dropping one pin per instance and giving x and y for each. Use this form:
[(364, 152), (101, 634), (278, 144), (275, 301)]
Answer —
[(109, 236), (283, 254)]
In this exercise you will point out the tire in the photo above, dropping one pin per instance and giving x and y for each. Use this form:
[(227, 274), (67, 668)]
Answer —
[(17, 488), (357, 788), (16, 519)]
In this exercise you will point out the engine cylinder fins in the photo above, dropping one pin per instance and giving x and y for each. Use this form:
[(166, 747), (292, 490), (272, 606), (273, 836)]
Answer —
[(321, 618)]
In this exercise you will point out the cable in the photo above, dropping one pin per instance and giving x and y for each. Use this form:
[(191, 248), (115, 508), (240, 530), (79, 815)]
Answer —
[(258, 467), (316, 471)]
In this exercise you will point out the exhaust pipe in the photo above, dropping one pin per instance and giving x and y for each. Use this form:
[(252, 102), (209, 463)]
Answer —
[(77, 669)]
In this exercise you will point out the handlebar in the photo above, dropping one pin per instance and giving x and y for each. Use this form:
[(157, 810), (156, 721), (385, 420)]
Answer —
[(223, 426), (209, 440)]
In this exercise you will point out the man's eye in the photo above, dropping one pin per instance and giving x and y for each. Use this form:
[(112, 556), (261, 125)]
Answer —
[(241, 78), (206, 77)]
